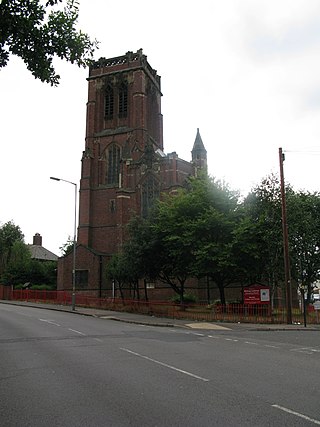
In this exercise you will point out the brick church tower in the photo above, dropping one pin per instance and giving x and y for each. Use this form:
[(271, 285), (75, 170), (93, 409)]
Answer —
[(124, 167)]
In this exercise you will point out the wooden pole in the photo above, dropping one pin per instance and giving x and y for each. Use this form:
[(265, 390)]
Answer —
[(285, 242)]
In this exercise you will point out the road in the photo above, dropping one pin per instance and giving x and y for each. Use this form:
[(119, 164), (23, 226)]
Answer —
[(61, 369)]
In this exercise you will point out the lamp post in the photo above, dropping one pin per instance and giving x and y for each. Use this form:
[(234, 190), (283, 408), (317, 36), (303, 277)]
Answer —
[(74, 240)]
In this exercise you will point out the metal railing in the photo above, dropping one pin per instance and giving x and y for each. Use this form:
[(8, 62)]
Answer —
[(244, 313)]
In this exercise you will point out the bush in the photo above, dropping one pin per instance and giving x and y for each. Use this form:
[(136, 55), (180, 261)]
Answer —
[(187, 298), (36, 287), (43, 287)]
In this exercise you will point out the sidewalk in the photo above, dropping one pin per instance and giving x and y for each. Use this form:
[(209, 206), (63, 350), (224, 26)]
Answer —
[(141, 319)]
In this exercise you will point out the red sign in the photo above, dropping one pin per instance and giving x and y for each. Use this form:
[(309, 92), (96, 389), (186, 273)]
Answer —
[(256, 295)]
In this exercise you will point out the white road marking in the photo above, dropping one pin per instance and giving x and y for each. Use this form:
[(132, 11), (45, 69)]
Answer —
[(165, 365), (250, 342), (212, 336), (306, 350), (271, 346), (297, 414), (51, 322), (199, 335), (97, 339), (77, 332)]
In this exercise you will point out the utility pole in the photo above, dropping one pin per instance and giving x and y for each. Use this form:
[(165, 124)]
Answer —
[(285, 241)]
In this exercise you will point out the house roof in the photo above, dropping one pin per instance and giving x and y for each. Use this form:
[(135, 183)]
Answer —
[(41, 253)]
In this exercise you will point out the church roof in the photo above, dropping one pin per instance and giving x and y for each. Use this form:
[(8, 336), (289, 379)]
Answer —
[(41, 253), (198, 144)]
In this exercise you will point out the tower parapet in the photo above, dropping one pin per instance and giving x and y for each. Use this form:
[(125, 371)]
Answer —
[(122, 63)]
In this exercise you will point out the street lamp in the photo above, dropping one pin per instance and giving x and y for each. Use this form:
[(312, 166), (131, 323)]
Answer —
[(74, 240)]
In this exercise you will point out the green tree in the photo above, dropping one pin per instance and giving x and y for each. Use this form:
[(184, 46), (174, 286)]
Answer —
[(173, 240), (304, 238), (21, 268), (17, 268), (9, 234), (213, 235), (117, 272), (137, 259), (67, 247), (188, 235), (262, 208), (38, 32), (263, 237)]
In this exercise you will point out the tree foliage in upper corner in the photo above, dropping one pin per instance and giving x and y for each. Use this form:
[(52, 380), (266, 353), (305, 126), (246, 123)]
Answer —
[(38, 32)]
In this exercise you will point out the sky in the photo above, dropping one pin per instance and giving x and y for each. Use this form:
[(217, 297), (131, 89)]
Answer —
[(245, 72)]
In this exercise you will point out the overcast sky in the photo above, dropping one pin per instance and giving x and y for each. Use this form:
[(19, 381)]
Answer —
[(245, 72)]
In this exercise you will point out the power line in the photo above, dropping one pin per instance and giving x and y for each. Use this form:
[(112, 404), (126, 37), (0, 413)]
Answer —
[(302, 152)]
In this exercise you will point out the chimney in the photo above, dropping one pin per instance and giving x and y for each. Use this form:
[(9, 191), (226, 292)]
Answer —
[(37, 239)]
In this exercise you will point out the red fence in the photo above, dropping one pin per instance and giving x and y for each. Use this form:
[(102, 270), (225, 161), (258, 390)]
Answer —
[(198, 312)]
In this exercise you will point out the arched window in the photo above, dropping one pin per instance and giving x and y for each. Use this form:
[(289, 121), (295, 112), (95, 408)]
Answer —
[(113, 165), (108, 102), (150, 192), (123, 100)]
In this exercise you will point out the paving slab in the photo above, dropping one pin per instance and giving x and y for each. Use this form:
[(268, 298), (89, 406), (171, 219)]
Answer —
[(206, 325)]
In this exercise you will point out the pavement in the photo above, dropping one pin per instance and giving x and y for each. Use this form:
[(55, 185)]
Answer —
[(142, 319)]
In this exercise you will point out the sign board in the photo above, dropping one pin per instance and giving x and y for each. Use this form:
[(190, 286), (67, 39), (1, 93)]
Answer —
[(316, 305), (256, 295)]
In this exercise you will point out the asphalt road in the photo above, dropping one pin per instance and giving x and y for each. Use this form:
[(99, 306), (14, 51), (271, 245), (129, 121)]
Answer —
[(61, 369)]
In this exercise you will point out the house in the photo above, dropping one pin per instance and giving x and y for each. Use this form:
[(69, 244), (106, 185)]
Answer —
[(40, 253)]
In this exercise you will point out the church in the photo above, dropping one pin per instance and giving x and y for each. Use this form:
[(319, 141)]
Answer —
[(124, 165)]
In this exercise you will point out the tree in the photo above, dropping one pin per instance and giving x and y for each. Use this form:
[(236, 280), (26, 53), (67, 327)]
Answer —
[(17, 268), (174, 242), (188, 235), (137, 259), (213, 235), (117, 272), (9, 234), (16, 265), (21, 268), (37, 33), (261, 240), (262, 207), (304, 238), (67, 247)]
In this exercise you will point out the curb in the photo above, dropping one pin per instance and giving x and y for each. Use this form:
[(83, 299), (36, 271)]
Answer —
[(263, 328), (138, 322), (81, 313), (47, 308)]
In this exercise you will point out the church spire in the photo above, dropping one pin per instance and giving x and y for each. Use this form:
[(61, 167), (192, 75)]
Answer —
[(199, 153)]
